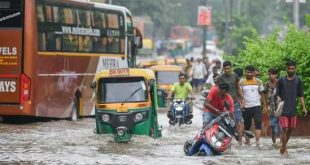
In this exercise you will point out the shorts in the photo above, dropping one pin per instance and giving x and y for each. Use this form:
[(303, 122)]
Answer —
[(207, 117), (275, 125), (252, 112), (237, 113), (288, 122), (197, 82)]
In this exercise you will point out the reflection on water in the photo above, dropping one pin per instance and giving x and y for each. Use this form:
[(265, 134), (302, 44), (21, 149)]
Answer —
[(66, 142)]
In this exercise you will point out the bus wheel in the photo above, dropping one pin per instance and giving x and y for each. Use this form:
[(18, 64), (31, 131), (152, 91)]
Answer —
[(75, 110)]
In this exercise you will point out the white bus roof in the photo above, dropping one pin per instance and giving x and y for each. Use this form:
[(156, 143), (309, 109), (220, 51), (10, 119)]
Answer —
[(106, 6)]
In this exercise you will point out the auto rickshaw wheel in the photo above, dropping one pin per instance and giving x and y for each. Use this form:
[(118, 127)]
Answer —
[(75, 110)]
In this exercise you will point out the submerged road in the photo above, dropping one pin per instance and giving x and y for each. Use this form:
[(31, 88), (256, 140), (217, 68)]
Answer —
[(66, 142)]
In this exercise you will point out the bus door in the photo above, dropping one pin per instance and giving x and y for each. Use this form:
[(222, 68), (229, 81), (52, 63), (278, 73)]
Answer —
[(11, 32)]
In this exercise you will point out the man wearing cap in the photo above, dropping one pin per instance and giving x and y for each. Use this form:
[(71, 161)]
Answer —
[(215, 103)]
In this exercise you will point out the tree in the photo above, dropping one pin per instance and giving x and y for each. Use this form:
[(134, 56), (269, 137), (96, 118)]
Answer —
[(269, 51)]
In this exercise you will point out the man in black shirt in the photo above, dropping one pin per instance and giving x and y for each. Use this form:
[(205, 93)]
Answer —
[(289, 88)]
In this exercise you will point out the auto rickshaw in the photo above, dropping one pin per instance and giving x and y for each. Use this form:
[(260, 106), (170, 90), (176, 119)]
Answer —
[(177, 61), (126, 103), (179, 47), (166, 76), (149, 63)]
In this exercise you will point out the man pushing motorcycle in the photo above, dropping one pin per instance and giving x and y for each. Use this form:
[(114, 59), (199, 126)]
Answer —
[(215, 103)]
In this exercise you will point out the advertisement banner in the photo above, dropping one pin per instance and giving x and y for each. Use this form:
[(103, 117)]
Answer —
[(204, 16)]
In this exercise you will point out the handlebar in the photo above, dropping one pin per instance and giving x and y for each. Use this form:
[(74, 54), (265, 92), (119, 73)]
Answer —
[(186, 99)]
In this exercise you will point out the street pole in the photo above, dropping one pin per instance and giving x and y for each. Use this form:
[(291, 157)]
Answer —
[(204, 39), (204, 35), (296, 13)]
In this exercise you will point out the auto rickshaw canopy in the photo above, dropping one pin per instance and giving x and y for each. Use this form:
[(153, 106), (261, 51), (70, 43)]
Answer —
[(126, 72), (166, 68)]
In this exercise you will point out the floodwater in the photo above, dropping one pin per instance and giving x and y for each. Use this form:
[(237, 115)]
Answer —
[(66, 142)]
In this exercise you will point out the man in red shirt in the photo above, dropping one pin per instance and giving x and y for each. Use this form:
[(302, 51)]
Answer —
[(215, 103)]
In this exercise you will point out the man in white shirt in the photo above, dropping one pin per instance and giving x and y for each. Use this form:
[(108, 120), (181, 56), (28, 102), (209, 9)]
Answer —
[(199, 72)]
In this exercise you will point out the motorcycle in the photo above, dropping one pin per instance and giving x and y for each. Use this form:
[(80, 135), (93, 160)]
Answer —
[(214, 138), (179, 112)]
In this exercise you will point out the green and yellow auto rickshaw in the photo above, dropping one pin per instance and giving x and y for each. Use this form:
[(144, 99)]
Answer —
[(126, 103), (166, 76)]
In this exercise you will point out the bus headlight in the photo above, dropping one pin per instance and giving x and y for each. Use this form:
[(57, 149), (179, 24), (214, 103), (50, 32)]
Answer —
[(105, 117), (138, 117)]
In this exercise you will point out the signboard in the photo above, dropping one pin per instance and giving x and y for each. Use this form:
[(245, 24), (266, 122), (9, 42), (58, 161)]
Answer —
[(10, 51), (119, 72), (204, 16)]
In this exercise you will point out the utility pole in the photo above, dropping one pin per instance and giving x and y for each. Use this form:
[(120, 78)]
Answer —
[(239, 7), (228, 26), (296, 13), (296, 10), (204, 34)]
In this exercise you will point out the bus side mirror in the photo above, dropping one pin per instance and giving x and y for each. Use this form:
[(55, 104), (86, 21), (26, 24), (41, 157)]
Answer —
[(138, 38), (93, 85)]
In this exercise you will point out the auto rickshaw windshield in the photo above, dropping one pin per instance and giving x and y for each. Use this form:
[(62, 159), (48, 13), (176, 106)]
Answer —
[(124, 89), (167, 77)]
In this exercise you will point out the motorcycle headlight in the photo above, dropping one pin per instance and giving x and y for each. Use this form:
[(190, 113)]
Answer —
[(179, 108), (138, 117), (216, 141), (105, 117), (159, 93)]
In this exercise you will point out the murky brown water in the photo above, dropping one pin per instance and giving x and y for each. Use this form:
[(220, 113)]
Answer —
[(66, 142)]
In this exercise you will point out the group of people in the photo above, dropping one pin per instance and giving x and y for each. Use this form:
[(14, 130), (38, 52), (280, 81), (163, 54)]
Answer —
[(249, 97), (200, 72)]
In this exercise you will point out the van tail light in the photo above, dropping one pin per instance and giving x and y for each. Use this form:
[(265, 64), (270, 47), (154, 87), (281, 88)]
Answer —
[(25, 86)]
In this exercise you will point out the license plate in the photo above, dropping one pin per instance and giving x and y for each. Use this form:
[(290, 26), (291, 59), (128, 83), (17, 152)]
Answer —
[(122, 118)]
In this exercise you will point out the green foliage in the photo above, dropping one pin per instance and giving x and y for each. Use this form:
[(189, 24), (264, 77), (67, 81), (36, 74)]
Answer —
[(307, 20), (164, 14), (268, 52)]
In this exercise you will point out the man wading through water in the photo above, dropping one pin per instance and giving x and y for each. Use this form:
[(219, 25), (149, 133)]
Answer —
[(289, 88), (234, 90)]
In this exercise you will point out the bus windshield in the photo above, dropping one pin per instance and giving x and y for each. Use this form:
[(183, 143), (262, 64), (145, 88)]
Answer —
[(118, 90), (167, 77)]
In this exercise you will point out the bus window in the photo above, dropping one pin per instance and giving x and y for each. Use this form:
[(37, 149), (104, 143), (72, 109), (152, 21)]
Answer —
[(113, 21), (40, 14), (100, 19), (85, 44), (100, 45), (129, 24), (58, 42), (113, 45), (56, 13), (42, 41), (84, 18), (49, 13), (70, 43), (122, 46), (68, 16)]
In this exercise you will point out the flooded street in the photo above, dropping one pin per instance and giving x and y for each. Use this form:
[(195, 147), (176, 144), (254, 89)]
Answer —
[(65, 142)]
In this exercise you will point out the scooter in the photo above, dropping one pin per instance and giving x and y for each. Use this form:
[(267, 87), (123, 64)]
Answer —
[(179, 112), (214, 138)]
